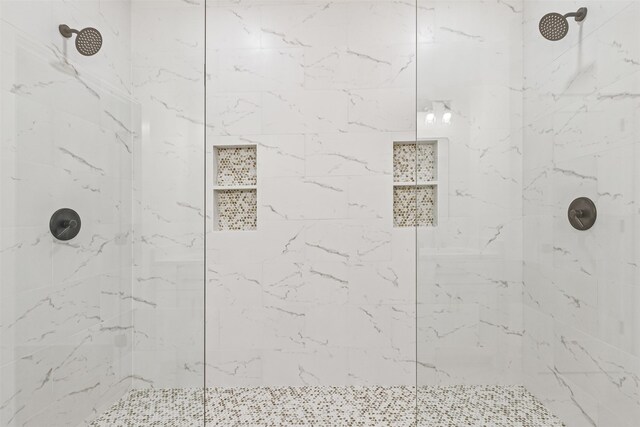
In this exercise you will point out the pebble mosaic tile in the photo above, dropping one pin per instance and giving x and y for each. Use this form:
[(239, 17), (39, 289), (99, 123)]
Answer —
[(486, 406), (427, 163), (414, 161), (454, 406), (414, 203), (414, 206), (404, 162), (236, 166), (237, 209)]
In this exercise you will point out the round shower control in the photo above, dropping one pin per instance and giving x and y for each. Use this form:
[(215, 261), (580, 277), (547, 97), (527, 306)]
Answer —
[(65, 224), (582, 213)]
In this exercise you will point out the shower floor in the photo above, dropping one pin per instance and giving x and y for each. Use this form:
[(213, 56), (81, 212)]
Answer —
[(454, 406)]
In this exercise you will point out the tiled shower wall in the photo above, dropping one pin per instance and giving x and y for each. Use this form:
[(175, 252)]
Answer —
[(66, 125), (581, 352), (470, 265), (168, 270), (322, 292)]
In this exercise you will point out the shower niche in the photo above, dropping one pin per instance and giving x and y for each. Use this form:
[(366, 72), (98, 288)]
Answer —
[(415, 183), (235, 188)]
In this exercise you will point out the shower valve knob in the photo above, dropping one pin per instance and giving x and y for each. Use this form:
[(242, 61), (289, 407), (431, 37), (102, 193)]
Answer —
[(582, 213), (65, 224)]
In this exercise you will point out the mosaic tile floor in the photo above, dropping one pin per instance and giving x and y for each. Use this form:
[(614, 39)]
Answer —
[(456, 406)]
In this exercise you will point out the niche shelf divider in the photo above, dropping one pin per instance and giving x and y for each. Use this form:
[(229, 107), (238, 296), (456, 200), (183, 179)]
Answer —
[(235, 188)]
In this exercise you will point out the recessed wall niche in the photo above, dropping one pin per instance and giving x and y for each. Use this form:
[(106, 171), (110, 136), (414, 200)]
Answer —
[(415, 184), (235, 188)]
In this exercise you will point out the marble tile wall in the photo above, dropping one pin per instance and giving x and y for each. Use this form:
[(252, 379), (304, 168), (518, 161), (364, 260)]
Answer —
[(168, 258), (470, 265), (581, 353), (66, 134), (322, 293)]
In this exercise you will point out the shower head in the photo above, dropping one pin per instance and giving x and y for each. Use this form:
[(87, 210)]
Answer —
[(88, 40), (554, 26)]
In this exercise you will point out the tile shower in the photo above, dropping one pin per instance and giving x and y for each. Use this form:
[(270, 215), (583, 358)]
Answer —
[(328, 213)]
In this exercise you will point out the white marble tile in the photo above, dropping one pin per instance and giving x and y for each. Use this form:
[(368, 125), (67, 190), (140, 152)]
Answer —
[(234, 27), (238, 285), (259, 69), (303, 25), (304, 111), (169, 209), (237, 368), (359, 68), (323, 206), (381, 283), (236, 113), (382, 110), (579, 285), (326, 296), (387, 24), (371, 197), (348, 154), (66, 317), (469, 274), (151, 21), (304, 198)]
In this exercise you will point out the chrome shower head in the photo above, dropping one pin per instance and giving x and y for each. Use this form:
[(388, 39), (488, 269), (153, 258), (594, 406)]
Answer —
[(554, 26), (88, 40)]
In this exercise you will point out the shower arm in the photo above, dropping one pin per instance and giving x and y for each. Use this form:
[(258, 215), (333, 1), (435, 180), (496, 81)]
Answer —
[(579, 15), (66, 31)]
